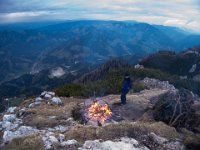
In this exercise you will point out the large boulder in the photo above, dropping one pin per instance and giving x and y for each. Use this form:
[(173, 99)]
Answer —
[(123, 143)]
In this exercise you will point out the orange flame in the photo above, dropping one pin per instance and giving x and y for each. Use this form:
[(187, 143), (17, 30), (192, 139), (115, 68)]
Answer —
[(99, 112)]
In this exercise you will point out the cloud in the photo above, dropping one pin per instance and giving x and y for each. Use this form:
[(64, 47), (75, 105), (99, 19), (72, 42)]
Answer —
[(181, 13)]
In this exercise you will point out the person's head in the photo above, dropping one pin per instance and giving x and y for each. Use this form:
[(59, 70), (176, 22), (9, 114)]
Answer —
[(126, 76)]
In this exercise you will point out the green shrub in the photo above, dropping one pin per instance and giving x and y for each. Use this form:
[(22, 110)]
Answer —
[(111, 83), (71, 90)]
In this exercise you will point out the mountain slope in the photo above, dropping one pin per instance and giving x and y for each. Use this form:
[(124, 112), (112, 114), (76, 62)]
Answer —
[(37, 47), (186, 63)]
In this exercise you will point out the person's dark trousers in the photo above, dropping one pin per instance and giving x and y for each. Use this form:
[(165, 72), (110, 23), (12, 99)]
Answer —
[(123, 98)]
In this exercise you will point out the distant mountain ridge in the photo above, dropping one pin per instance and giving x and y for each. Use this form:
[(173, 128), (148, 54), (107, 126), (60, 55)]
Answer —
[(25, 49)]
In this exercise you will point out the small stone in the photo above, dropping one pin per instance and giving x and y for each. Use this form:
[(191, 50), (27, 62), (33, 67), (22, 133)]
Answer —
[(52, 117), (61, 138)]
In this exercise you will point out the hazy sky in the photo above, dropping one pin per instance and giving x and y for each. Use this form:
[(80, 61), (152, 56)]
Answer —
[(181, 13)]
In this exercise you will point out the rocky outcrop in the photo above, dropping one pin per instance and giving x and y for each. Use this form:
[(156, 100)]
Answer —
[(20, 132), (155, 83), (46, 96), (10, 122), (163, 143), (50, 140), (132, 144), (118, 144), (55, 127)]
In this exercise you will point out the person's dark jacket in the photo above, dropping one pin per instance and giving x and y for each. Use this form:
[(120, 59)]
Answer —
[(127, 85)]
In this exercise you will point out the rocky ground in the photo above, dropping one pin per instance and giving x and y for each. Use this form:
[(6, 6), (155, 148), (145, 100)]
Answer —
[(47, 122)]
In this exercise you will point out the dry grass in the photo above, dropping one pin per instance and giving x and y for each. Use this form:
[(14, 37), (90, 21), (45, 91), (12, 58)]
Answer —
[(40, 116), (40, 122), (113, 131), (33, 142), (161, 129)]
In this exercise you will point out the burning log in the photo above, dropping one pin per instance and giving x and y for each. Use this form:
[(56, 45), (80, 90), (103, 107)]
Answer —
[(97, 111)]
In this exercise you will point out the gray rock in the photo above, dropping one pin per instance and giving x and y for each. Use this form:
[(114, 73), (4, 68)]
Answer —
[(69, 142), (10, 122), (10, 117), (193, 68), (49, 141), (138, 66), (11, 109), (9, 125), (47, 96), (61, 138), (165, 143), (158, 139), (38, 99), (61, 128), (51, 129), (124, 143), (56, 100), (34, 104), (155, 83), (20, 132), (51, 93)]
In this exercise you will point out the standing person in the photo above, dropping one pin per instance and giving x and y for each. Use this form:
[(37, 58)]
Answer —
[(126, 86)]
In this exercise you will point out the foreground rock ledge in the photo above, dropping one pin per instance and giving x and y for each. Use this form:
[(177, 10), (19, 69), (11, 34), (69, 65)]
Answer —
[(48, 124)]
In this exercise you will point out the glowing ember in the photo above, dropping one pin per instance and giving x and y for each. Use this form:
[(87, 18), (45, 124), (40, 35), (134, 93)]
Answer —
[(99, 112)]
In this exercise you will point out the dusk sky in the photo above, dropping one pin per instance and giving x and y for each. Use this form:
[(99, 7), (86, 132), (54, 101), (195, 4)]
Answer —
[(181, 13)]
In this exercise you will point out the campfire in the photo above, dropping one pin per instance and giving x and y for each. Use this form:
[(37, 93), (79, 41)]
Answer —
[(98, 112)]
